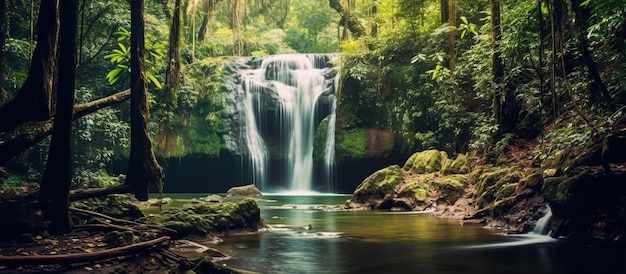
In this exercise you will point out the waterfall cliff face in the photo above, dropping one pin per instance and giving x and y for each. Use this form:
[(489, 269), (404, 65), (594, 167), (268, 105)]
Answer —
[(276, 104)]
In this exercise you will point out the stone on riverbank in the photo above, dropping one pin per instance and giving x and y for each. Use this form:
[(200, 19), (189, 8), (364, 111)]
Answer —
[(244, 191)]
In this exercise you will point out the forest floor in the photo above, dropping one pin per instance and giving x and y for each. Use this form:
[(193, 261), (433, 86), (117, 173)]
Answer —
[(88, 251)]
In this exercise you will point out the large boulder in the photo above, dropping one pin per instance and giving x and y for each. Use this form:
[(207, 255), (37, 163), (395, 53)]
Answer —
[(208, 218), (244, 191), (427, 178), (378, 188), (587, 204)]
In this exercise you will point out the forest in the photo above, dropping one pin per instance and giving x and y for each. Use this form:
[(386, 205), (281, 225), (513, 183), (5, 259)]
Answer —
[(92, 89)]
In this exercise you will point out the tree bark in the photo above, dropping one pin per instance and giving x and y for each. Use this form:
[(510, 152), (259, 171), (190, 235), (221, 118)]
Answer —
[(57, 177), (497, 67), (172, 80), (452, 33), (3, 36), (583, 45), (37, 131), (143, 168), (352, 23), (207, 9), (33, 100)]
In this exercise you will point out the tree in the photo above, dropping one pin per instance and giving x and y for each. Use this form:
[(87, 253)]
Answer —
[(172, 78), (497, 67), (33, 100), (57, 177), (143, 168)]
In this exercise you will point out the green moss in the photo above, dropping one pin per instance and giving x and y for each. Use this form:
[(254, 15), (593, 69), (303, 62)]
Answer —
[(460, 165), (319, 143), (379, 185), (425, 162), (351, 144), (417, 187)]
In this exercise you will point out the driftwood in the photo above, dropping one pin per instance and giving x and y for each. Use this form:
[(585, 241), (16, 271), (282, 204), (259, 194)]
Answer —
[(77, 258), (103, 216), (34, 132)]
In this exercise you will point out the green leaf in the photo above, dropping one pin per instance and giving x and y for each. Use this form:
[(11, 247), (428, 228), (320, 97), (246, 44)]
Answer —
[(153, 79)]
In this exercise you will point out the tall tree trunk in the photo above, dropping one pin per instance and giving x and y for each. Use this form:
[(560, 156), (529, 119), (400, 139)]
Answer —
[(556, 32), (452, 34), (33, 100), (581, 25), (207, 9), (445, 14), (497, 67), (172, 80), (57, 177), (238, 9), (3, 35), (143, 168)]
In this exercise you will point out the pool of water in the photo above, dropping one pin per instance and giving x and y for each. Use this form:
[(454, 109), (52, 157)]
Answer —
[(311, 234)]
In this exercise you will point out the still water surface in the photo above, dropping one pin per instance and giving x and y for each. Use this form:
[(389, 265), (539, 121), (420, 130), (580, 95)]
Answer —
[(340, 241)]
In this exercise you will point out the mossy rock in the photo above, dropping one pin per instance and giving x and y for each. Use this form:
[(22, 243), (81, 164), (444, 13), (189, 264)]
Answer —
[(205, 218), (377, 186), (425, 161), (533, 181), (451, 187), (351, 144), (115, 205), (416, 188), (460, 165), (319, 143)]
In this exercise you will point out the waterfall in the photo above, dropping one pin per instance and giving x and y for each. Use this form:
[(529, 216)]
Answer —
[(329, 149), (543, 224), (279, 117)]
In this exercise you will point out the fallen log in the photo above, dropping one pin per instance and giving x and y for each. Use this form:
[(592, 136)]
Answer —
[(78, 258)]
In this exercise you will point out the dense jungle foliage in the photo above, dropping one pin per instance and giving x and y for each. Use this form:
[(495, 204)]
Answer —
[(455, 75)]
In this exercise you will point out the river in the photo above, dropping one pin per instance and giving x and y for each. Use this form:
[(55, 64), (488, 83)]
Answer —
[(311, 234)]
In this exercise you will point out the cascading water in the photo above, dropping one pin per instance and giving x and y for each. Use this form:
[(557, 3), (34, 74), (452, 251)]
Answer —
[(279, 109), (543, 224)]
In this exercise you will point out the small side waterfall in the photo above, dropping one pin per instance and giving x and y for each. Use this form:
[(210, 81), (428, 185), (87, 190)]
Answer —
[(278, 109), (543, 224)]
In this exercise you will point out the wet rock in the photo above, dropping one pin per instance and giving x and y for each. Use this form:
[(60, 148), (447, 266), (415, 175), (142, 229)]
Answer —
[(378, 188), (243, 191), (587, 204), (208, 218)]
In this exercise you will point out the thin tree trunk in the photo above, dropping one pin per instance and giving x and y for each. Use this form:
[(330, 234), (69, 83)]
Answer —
[(583, 45), (172, 79), (452, 34), (37, 131), (55, 184), (33, 100), (445, 14), (497, 67), (143, 168), (207, 9), (3, 36), (556, 26)]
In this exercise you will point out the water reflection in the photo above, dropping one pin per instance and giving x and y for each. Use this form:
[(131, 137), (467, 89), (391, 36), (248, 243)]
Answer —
[(339, 241)]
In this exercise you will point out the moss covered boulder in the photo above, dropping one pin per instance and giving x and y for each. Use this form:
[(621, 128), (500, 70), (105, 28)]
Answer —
[(426, 179), (425, 161), (208, 218), (378, 188), (122, 206)]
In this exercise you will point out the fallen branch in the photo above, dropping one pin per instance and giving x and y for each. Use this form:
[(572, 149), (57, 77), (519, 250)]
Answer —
[(76, 258), (86, 193), (35, 132), (100, 215)]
